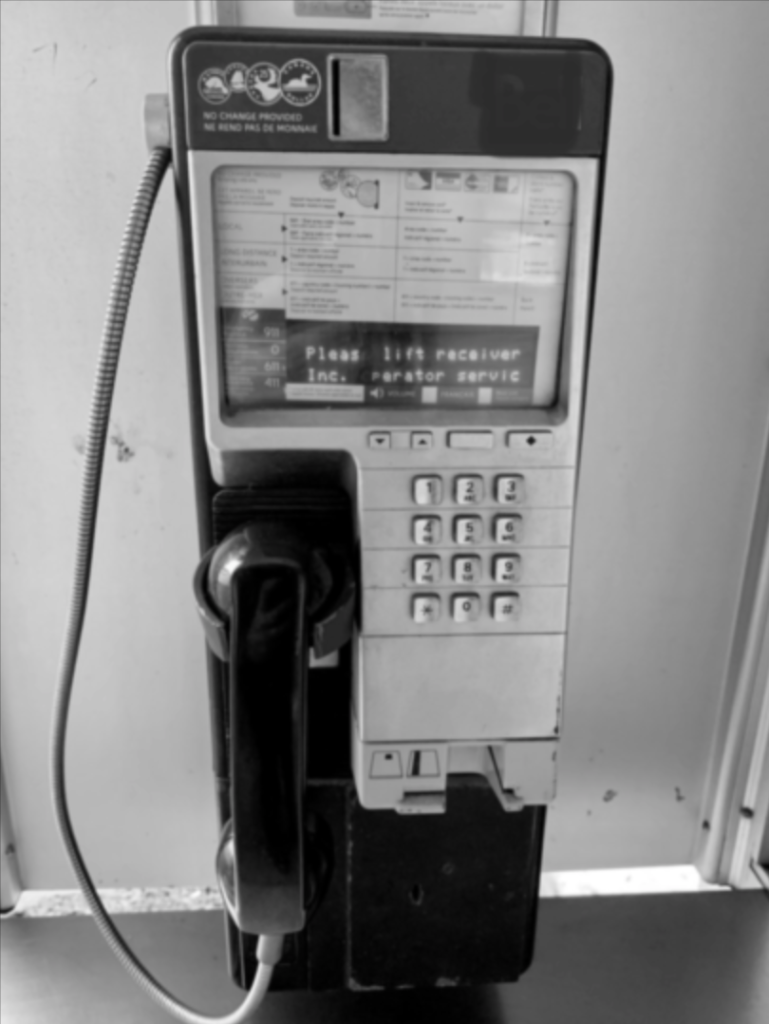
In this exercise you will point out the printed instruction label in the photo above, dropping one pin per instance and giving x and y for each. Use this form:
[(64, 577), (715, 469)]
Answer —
[(422, 286)]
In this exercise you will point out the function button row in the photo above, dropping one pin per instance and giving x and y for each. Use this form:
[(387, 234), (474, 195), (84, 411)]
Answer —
[(427, 531), (427, 570), (469, 490), (426, 608), (469, 440)]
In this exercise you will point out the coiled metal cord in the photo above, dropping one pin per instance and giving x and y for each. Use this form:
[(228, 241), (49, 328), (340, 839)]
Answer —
[(101, 404)]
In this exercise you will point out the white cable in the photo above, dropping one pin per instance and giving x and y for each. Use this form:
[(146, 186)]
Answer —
[(269, 948)]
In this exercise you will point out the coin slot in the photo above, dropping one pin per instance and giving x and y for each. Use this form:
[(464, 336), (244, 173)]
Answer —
[(358, 100)]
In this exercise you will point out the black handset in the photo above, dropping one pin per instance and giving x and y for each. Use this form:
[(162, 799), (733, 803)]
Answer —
[(266, 594)]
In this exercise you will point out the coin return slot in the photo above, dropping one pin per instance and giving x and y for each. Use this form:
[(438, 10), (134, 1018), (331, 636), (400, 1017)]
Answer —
[(358, 100)]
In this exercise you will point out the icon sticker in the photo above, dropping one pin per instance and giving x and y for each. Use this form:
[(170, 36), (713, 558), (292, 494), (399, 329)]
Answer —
[(300, 82), (213, 86), (263, 84), (419, 179), (236, 77), (368, 194)]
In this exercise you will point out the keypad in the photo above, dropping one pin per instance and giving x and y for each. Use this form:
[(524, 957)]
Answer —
[(460, 527)]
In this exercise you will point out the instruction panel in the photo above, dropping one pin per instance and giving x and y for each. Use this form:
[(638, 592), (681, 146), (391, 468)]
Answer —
[(391, 287), (475, 17)]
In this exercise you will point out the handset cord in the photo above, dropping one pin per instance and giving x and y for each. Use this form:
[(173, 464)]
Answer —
[(270, 947)]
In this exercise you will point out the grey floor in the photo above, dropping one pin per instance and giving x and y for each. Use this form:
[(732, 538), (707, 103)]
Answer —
[(700, 958)]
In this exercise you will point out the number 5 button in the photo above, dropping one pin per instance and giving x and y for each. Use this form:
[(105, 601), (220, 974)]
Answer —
[(468, 529), (508, 529)]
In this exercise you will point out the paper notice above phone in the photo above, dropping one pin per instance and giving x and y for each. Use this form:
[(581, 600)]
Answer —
[(459, 17)]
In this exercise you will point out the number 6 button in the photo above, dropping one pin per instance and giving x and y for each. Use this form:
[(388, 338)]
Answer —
[(508, 529)]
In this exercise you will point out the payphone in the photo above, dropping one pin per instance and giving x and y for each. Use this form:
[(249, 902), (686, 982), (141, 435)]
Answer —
[(388, 254)]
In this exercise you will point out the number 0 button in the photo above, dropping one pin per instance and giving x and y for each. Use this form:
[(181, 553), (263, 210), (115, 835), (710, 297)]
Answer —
[(465, 607)]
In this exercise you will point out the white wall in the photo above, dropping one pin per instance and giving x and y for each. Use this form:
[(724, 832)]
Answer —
[(678, 406), (678, 403)]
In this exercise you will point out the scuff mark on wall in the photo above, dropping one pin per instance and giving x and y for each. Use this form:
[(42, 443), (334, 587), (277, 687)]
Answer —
[(124, 451)]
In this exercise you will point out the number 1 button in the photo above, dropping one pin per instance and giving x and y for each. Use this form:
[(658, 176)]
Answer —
[(428, 490)]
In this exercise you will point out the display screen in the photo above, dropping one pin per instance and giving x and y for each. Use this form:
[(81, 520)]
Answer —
[(398, 288)]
